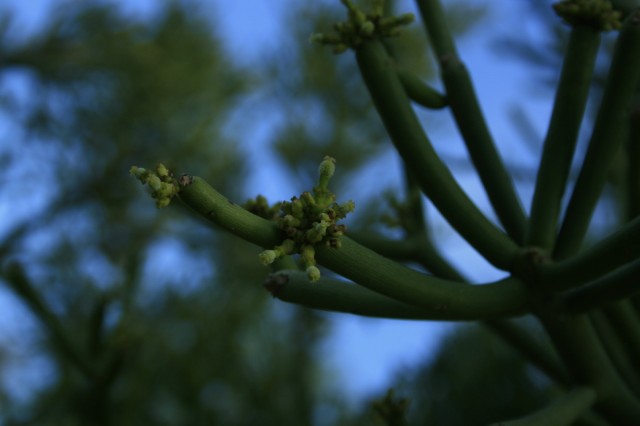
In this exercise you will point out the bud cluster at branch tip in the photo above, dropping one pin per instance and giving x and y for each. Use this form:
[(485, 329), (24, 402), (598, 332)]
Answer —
[(161, 182), (598, 14), (361, 26), (307, 220)]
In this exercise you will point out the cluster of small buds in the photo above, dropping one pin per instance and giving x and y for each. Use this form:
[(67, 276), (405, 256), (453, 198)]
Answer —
[(599, 14), (260, 207), (162, 183), (361, 26), (309, 220)]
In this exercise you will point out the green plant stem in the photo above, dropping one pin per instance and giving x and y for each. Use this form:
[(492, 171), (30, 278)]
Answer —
[(430, 257), (563, 411), (506, 297), (522, 342), (471, 123), (215, 207), (421, 93), (633, 163), (415, 248), (400, 250), (559, 145), (589, 365), (619, 248), (339, 296), (626, 321), (434, 177), (619, 284), (606, 139), (22, 287), (417, 245), (614, 347)]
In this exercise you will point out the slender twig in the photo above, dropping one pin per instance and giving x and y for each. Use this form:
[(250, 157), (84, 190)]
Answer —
[(20, 284), (559, 145), (414, 147), (606, 139), (468, 115), (564, 410)]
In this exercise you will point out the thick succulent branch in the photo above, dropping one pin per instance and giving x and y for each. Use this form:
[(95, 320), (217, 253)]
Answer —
[(462, 100), (559, 145), (564, 410), (606, 139), (617, 285), (612, 252), (365, 267), (589, 365), (434, 177), (339, 296)]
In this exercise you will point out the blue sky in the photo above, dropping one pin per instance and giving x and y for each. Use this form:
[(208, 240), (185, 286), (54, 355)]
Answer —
[(365, 352)]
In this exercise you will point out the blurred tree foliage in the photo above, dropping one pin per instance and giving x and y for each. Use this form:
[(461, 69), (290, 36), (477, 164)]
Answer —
[(146, 318), (149, 318), (475, 379)]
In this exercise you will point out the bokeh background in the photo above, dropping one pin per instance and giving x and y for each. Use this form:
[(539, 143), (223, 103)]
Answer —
[(113, 312)]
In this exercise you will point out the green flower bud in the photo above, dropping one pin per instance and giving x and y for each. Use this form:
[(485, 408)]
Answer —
[(315, 235), (324, 217), (138, 172), (290, 222), (162, 171), (326, 170), (163, 202), (313, 273), (267, 257), (345, 208), (297, 208), (308, 255), (367, 28), (154, 183), (287, 247), (307, 199), (405, 19), (334, 243)]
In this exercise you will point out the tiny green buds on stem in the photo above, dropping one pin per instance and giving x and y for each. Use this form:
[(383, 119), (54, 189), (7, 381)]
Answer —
[(598, 14), (326, 170), (267, 257), (361, 26), (260, 207), (162, 183), (306, 221)]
